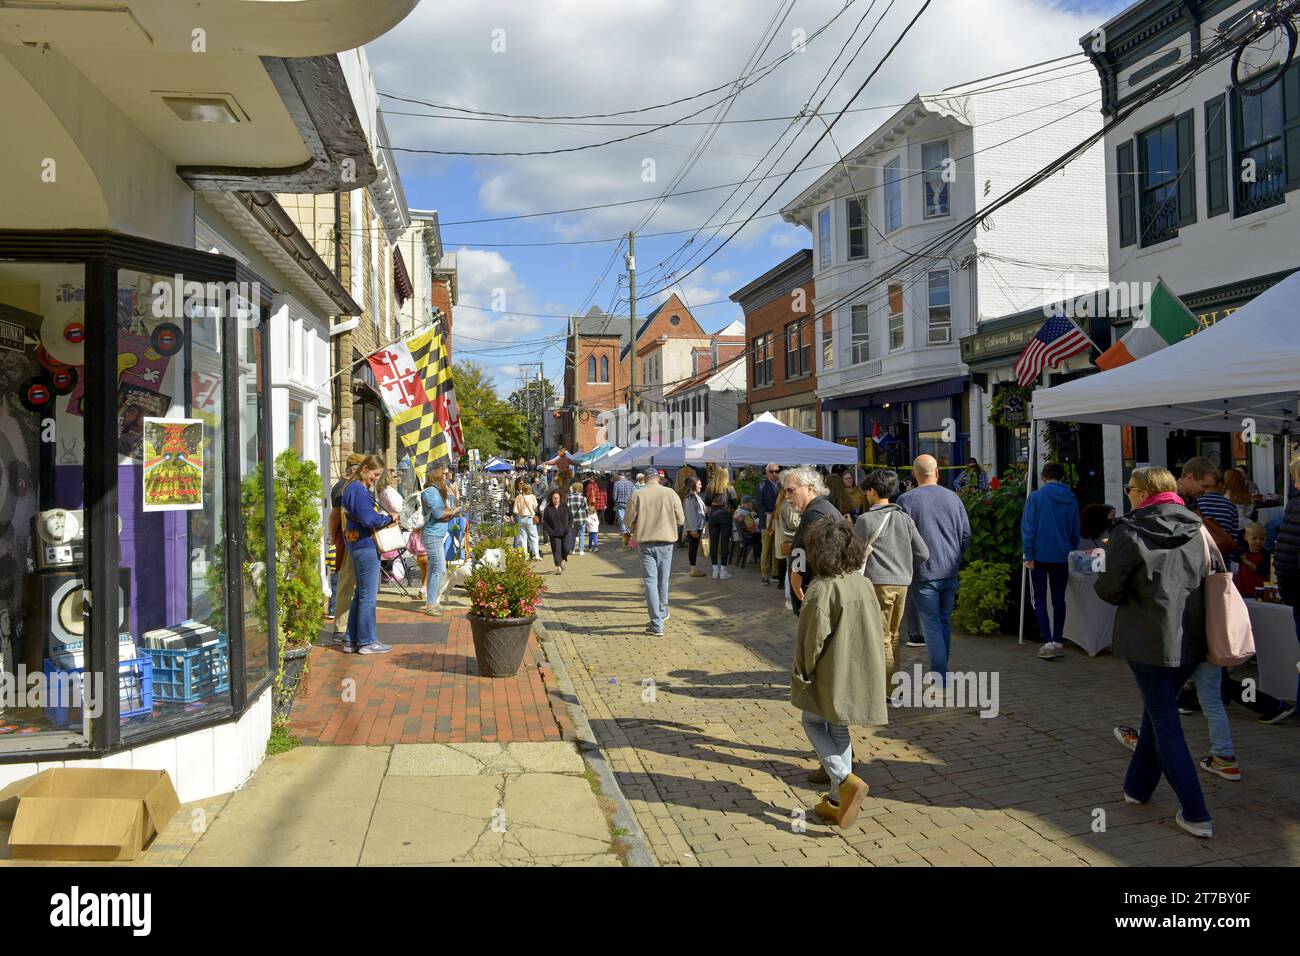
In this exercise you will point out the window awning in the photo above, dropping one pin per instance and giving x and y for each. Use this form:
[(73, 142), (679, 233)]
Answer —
[(401, 279)]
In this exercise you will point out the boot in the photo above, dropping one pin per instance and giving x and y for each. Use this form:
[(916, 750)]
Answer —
[(697, 573), (626, 539)]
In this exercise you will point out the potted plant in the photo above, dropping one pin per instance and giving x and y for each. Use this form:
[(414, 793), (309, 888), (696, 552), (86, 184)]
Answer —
[(503, 606)]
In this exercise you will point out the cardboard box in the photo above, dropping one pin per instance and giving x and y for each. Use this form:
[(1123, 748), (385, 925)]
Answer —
[(87, 813)]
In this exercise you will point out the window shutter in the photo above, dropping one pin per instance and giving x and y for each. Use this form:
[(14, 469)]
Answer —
[(1291, 127), (1216, 156), (1127, 194), (1186, 168)]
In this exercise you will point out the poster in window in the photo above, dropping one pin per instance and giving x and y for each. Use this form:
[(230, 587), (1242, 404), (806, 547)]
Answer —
[(134, 405), (173, 464)]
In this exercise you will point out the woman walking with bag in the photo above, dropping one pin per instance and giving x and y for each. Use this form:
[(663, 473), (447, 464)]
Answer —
[(362, 519), (439, 509), (525, 511), (693, 506), (722, 501), (1155, 574), (557, 522)]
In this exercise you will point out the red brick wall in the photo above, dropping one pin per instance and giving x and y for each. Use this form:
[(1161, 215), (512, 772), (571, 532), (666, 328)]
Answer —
[(773, 317)]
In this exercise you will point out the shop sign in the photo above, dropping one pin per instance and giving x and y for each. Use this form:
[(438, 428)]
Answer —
[(1004, 341), (12, 337), (1013, 410)]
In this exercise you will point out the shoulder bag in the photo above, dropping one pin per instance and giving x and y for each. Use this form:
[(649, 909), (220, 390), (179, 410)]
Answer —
[(1229, 638), (871, 543)]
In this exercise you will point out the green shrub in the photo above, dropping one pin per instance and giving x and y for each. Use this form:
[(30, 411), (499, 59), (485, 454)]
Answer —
[(995, 520), (514, 590), (982, 596)]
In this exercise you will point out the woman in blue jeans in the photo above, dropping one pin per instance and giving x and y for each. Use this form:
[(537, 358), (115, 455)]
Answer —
[(1155, 575), (362, 519), (437, 501)]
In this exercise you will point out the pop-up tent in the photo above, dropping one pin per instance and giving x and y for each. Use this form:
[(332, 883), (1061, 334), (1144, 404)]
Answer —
[(766, 439), (598, 462), (623, 459), (598, 451), (498, 465), (1245, 366)]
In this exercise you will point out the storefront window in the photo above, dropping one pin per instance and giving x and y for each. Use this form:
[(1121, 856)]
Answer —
[(295, 426), (253, 466), (171, 492), (934, 427), (43, 568)]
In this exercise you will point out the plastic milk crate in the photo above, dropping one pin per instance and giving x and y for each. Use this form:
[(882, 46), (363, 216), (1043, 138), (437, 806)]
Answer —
[(134, 682), (187, 675)]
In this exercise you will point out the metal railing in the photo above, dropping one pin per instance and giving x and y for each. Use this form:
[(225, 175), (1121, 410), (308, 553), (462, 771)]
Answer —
[(1268, 187)]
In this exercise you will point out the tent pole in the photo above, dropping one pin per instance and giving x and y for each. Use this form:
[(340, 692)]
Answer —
[(1024, 571)]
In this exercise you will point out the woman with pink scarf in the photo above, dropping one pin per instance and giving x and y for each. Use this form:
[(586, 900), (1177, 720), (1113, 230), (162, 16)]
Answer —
[(1155, 574)]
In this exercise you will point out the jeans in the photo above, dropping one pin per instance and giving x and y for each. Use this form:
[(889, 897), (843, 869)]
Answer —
[(834, 747), (437, 559), (361, 615), (526, 539), (1161, 746), (574, 541), (592, 543), (1057, 574), (1209, 691), (656, 565), (334, 590), (621, 511), (934, 603), (559, 549), (719, 536)]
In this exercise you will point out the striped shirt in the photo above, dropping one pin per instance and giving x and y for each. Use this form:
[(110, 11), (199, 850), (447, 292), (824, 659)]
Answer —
[(1223, 511)]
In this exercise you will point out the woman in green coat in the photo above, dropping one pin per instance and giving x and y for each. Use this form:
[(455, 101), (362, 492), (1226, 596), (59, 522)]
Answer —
[(838, 677)]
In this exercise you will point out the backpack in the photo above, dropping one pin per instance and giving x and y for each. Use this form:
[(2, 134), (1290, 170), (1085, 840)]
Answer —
[(413, 515)]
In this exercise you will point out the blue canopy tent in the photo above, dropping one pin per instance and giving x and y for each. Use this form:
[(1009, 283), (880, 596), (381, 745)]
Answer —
[(498, 465), (595, 453)]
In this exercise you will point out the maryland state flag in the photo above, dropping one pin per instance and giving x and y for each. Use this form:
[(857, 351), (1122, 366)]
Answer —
[(431, 431)]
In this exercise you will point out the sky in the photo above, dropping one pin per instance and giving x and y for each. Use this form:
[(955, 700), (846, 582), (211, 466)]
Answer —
[(519, 278)]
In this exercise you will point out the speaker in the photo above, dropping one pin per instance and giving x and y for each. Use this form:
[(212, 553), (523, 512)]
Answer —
[(57, 618)]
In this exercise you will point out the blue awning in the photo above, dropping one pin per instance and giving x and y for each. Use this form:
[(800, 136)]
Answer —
[(909, 393)]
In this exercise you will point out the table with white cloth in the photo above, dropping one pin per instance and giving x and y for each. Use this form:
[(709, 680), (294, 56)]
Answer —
[(1276, 649), (1089, 621)]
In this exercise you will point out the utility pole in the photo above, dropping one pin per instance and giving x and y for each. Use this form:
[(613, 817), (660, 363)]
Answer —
[(630, 260), (526, 380)]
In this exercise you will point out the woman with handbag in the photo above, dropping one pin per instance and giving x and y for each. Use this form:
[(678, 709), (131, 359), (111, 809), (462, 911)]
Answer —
[(363, 521), (693, 507), (439, 510), (1155, 574), (722, 501), (525, 512)]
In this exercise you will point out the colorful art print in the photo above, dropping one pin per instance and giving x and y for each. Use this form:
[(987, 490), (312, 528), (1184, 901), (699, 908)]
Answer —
[(134, 405), (173, 464), (137, 365), (67, 292)]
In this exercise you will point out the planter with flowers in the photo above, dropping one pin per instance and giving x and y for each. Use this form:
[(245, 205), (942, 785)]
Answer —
[(503, 607)]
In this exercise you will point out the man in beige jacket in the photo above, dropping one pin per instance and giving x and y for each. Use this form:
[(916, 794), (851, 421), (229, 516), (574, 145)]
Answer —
[(654, 518)]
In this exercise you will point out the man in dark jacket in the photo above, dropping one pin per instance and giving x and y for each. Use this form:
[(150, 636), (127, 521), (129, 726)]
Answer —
[(765, 502), (807, 494), (1155, 574)]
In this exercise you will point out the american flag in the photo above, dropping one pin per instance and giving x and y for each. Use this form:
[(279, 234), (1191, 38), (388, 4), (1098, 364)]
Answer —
[(1056, 341)]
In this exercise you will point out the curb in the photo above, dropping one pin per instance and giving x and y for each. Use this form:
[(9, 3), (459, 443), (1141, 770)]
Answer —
[(638, 854)]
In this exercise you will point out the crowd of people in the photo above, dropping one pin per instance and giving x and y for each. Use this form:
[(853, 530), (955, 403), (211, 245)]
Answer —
[(867, 565)]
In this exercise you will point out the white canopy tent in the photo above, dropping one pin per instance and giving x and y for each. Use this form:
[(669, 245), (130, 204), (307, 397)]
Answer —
[(623, 460), (766, 439), (598, 463), (1245, 366)]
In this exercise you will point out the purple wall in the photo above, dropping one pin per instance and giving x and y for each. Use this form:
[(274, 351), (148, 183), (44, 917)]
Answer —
[(154, 547)]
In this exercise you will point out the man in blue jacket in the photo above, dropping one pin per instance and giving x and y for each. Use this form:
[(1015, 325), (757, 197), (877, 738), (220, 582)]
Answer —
[(1050, 530)]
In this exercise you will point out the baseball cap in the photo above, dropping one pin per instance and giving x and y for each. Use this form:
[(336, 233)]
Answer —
[(651, 473)]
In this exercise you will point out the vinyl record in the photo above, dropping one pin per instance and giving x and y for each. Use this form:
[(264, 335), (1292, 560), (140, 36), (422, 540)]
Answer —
[(167, 338), (64, 380), (36, 395), (63, 333), (46, 362), (68, 611)]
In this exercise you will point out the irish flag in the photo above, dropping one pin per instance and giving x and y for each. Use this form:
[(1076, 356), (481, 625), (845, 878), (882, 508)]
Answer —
[(1165, 320)]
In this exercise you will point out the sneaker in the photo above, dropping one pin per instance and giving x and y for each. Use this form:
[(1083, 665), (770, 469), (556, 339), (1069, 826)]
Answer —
[(1282, 713), (1058, 650), (340, 637), (1203, 830), (1184, 711), (1048, 652), (765, 581), (376, 648), (665, 617), (650, 629), (915, 641), (1134, 800), (1225, 767), (788, 606), (1127, 736), (697, 573), (713, 570), (724, 574), (349, 647)]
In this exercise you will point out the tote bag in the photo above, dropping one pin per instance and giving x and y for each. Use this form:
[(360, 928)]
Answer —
[(1228, 636)]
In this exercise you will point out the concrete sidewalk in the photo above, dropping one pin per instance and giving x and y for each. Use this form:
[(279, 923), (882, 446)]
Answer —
[(472, 804)]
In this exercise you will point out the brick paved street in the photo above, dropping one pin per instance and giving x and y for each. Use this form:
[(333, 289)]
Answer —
[(715, 765), (426, 691)]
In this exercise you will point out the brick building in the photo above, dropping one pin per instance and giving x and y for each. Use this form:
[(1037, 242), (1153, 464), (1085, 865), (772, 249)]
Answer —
[(780, 331)]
